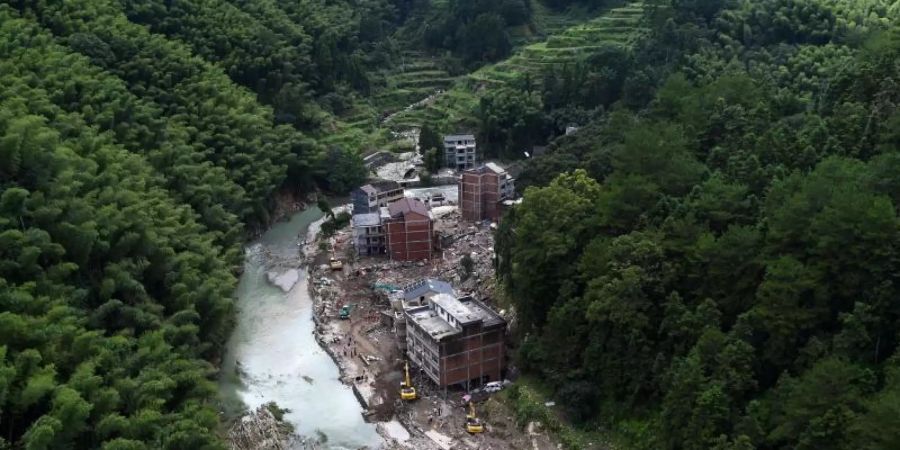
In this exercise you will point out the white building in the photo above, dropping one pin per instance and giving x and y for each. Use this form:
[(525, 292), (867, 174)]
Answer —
[(460, 151), (368, 233)]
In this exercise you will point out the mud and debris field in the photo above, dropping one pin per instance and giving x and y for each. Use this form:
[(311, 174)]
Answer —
[(365, 346)]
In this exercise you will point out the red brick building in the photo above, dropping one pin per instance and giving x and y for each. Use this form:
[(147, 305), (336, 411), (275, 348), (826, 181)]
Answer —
[(481, 191), (409, 231)]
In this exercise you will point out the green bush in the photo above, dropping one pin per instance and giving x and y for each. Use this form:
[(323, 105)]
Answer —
[(331, 226)]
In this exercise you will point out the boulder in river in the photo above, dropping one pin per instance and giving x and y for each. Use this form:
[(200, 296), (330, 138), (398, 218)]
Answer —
[(286, 280)]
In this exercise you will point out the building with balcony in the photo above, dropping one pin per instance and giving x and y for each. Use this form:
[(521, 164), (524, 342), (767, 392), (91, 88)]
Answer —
[(377, 194), (460, 151), (369, 237)]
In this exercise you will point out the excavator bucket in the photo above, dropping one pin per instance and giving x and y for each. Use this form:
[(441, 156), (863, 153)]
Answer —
[(407, 391)]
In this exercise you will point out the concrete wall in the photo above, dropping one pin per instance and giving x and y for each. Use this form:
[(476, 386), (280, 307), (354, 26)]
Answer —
[(360, 201), (423, 351)]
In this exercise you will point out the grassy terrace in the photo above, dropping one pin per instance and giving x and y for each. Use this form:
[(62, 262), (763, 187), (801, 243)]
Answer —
[(566, 42), (553, 38), (417, 77)]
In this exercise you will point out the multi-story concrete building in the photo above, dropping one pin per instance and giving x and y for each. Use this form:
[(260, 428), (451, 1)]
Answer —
[(375, 195), (409, 230), (369, 237), (482, 190), (460, 151), (421, 292), (456, 342), (414, 295)]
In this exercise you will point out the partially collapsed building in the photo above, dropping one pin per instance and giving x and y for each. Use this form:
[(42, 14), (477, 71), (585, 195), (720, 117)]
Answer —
[(369, 237), (414, 295), (404, 230), (409, 230), (375, 195), (482, 191)]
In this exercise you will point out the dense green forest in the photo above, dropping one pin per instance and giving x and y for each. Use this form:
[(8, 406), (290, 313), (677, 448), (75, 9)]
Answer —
[(711, 261), (140, 144)]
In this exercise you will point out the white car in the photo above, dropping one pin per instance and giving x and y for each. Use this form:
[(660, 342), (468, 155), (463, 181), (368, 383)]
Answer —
[(493, 386)]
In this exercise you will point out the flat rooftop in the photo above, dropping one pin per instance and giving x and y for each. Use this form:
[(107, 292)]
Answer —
[(366, 220), (424, 286), (459, 137), (457, 309), (378, 186), (488, 316), (429, 321)]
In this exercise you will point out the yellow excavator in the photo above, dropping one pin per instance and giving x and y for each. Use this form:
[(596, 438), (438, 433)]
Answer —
[(407, 391), (473, 423)]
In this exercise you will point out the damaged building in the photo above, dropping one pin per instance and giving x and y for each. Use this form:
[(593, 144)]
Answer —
[(414, 295), (456, 341), (422, 291), (460, 151), (404, 230), (369, 237), (483, 190), (409, 229), (375, 195)]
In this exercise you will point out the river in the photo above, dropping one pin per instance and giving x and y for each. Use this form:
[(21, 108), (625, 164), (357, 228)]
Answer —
[(272, 354)]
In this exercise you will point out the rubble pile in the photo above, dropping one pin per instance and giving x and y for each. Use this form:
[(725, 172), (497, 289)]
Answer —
[(260, 430), (474, 240), (404, 169), (367, 350)]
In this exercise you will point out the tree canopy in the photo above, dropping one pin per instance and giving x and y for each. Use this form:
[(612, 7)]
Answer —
[(139, 141), (717, 260)]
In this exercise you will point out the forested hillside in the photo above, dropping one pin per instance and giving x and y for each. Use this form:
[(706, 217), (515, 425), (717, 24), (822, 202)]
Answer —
[(140, 144), (711, 261)]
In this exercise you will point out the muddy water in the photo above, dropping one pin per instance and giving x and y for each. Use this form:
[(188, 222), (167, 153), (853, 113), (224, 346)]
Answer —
[(273, 356)]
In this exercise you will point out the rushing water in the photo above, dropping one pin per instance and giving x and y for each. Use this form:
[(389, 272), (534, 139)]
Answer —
[(273, 356)]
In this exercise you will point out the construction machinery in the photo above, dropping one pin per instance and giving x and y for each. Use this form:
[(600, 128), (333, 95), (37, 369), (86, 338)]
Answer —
[(473, 423), (345, 312), (334, 262), (407, 391)]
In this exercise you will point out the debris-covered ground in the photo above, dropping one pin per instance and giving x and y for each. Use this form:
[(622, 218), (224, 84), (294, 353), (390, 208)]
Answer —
[(262, 429), (365, 347)]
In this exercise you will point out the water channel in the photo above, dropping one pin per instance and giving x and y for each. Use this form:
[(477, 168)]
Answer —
[(272, 354)]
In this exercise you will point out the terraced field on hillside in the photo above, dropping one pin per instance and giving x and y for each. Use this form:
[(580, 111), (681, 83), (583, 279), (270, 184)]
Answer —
[(555, 38), (416, 77), (455, 107)]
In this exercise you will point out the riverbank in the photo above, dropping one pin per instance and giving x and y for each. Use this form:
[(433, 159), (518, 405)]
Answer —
[(272, 355)]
